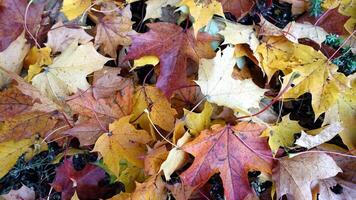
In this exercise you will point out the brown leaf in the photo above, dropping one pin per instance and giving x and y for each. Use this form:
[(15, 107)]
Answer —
[(237, 7), (180, 191), (13, 102), (228, 150), (154, 159), (112, 31), (293, 176), (26, 124), (151, 189)]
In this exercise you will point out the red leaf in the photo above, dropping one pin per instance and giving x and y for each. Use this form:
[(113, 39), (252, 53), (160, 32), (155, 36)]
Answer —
[(86, 182), (12, 19), (237, 7), (173, 46), (228, 150), (331, 22), (13, 102)]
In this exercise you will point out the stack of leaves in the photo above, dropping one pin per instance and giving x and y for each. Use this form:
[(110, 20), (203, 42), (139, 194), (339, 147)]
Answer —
[(178, 99)]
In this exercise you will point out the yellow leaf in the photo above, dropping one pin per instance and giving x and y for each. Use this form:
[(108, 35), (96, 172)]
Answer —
[(344, 111), (176, 157), (122, 142), (314, 74), (161, 113), (130, 175), (197, 122), (33, 70), (40, 56), (282, 134), (68, 72), (202, 12), (145, 60), (75, 196), (216, 82), (74, 8), (330, 4)]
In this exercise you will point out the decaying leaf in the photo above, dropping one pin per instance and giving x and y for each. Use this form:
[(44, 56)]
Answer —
[(293, 176)]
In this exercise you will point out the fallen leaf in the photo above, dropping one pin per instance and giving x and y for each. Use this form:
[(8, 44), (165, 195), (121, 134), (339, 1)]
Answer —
[(145, 60), (295, 31), (310, 141), (10, 151), (36, 59), (85, 182), (60, 37), (11, 58), (228, 150), (26, 125), (161, 113), (197, 122), (298, 6), (282, 134), (68, 72), (293, 176), (327, 192), (13, 102), (24, 193), (344, 111), (216, 82), (239, 8), (152, 189), (12, 20), (172, 51), (153, 160), (113, 31), (202, 12), (154, 7), (180, 191), (74, 8), (176, 157), (122, 142)]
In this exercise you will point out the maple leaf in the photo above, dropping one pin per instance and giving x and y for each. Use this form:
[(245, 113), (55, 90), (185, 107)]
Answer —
[(153, 160), (113, 31), (154, 7), (122, 142), (216, 82), (60, 37), (12, 20), (331, 21), (202, 12), (10, 151), (11, 58), (282, 134), (86, 182), (161, 113), (326, 189), (74, 8), (26, 125), (68, 72), (197, 122), (297, 31), (153, 189), (298, 6), (24, 193), (344, 111), (13, 102), (326, 134), (232, 151), (173, 52), (238, 8), (37, 58), (293, 176)]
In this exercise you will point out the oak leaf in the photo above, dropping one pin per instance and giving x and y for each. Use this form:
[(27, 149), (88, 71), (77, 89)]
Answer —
[(293, 176), (61, 36), (173, 52), (228, 150), (123, 141), (68, 72), (216, 82)]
